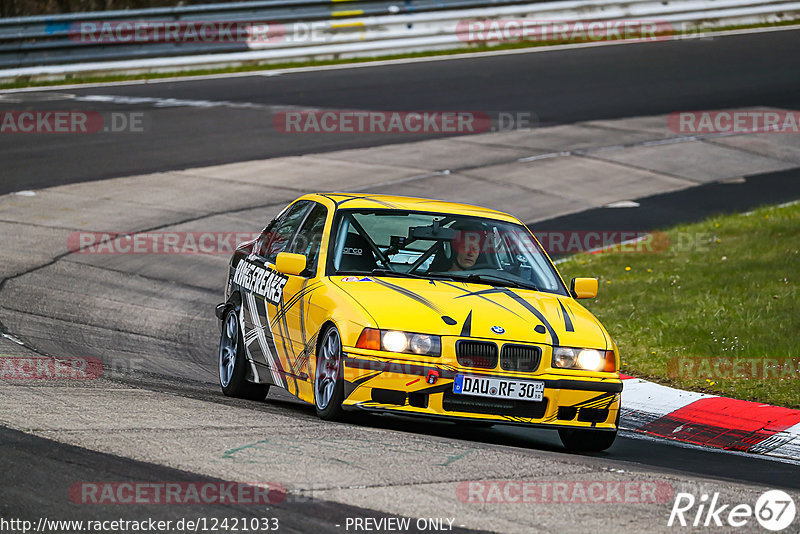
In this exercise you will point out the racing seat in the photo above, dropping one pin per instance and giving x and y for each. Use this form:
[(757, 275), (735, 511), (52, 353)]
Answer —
[(441, 262), (356, 255)]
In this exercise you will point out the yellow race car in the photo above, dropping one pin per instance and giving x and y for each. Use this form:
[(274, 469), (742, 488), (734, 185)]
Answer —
[(417, 307)]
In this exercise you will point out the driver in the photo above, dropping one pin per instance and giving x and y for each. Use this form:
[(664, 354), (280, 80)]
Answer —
[(466, 246)]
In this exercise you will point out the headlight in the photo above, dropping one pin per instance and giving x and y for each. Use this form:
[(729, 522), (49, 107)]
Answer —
[(585, 359), (396, 341)]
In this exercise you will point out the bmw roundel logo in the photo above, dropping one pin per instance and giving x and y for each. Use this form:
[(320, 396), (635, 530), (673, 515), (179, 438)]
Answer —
[(498, 330)]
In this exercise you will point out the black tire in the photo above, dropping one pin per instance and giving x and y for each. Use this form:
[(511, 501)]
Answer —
[(580, 440), (233, 362), (329, 377)]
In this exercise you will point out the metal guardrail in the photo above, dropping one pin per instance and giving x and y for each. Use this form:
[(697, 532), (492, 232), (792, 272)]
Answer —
[(47, 40), (46, 48)]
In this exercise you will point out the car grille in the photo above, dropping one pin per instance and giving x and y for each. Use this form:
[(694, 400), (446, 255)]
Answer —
[(481, 354), (453, 402), (523, 358)]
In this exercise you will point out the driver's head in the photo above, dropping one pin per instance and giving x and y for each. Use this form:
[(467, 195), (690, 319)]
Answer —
[(466, 246)]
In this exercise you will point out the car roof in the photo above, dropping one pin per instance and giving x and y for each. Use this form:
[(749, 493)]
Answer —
[(393, 202)]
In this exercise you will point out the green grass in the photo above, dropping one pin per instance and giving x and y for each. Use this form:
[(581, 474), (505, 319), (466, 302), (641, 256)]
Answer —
[(724, 287), (69, 79)]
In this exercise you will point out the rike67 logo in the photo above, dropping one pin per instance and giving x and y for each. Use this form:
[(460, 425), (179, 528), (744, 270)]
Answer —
[(774, 510)]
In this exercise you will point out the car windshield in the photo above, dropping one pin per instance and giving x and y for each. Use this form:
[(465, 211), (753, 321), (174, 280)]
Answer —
[(441, 246)]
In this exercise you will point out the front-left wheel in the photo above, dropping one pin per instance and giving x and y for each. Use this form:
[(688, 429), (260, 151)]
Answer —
[(233, 362), (329, 377)]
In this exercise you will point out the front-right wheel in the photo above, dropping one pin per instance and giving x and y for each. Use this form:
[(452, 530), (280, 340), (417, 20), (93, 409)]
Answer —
[(579, 440), (588, 440)]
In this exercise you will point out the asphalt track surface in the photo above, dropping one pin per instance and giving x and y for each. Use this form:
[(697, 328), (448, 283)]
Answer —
[(559, 87), (623, 81), (54, 468), (53, 465)]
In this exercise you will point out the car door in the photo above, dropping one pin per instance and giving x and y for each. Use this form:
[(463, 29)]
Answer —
[(299, 324), (263, 293)]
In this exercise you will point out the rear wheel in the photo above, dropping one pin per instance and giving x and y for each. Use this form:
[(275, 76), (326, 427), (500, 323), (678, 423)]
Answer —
[(233, 362), (329, 377)]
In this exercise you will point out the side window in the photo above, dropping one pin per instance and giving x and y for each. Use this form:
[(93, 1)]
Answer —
[(308, 239), (280, 232)]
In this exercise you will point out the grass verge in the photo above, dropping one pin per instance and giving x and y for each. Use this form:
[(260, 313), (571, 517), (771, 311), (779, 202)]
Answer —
[(718, 304), (22, 83)]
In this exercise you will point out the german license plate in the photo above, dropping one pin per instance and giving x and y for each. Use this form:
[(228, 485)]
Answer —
[(500, 388)]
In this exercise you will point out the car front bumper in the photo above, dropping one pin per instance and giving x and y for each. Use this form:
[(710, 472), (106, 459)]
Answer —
[(425, 389)]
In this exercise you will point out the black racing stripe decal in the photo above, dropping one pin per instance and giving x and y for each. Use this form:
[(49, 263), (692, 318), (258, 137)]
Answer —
[(567, 321), (399, 368), (365, 197), (449, 373), (291, 357), (301, 363), (294, 300), (281, 328), (584, 385), (518, 419), (466, 331), (350, 387), (441, 388), (300, 294), (303, 316), (480, 294), (601, 401), (539, 315), (419, 298), (268, 335), (252, 344)]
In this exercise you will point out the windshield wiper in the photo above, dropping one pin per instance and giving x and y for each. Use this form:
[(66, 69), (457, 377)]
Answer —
[(401, 274), (503, 281)]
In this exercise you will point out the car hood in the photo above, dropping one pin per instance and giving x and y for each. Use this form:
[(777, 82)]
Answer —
[(475, 310)]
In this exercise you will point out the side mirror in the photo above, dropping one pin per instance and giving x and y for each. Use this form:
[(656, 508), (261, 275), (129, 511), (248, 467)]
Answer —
[(583, 288), (288, 263)]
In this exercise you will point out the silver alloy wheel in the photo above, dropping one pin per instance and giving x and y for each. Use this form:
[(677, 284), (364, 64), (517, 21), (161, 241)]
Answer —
[(327, 373), (228, 347)]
